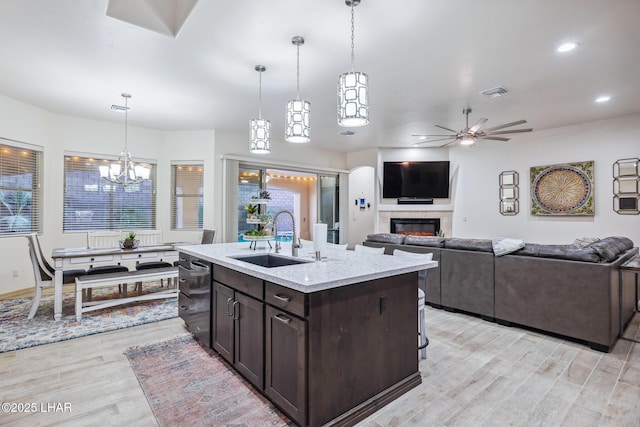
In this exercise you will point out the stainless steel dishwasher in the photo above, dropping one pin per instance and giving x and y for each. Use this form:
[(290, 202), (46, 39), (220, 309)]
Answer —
[(194, 301)]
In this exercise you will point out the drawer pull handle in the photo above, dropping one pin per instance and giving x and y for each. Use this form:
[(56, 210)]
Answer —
[(282, 318), (228, 312), (182, 280), (282, 298), (183, 307), (234, 311), (182, 259)]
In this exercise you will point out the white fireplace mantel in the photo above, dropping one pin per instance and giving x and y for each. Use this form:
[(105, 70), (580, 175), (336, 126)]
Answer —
[(443, 212)]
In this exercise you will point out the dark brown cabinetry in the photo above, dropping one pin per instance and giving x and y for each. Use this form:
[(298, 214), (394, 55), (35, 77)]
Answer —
[(286, 362), (194, 299), (238, 325), (328, 357)]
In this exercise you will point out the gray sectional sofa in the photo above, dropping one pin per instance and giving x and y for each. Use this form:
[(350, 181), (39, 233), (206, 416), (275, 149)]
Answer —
[(567, 290)]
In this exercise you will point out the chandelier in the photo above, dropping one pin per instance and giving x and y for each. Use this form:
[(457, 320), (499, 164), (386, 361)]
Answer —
[(124, 171), (353, 89), (298, 111), (260, 128)]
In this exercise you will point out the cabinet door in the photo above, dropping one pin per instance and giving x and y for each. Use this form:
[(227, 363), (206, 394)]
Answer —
[(222, 321), (286, 362), (249, 339)]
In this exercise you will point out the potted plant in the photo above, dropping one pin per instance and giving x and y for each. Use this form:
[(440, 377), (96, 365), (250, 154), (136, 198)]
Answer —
[(251, 210), (130, 241)]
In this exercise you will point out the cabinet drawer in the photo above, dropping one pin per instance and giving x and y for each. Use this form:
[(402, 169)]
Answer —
[(141, 255), (286, 299), (184, 259), (91, 259), (184, 302), (239, 281)]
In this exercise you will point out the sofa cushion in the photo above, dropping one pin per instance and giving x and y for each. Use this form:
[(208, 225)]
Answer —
[(431, 241), (568, 252), (396, 239), (480, 245), (610, 247)]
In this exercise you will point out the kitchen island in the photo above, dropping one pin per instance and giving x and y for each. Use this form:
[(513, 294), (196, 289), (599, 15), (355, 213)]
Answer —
[(329, 342)]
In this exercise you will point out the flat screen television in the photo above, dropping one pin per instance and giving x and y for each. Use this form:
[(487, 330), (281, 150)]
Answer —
[(416, 179)]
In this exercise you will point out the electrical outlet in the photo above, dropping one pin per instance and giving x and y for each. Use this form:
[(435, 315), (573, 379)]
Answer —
[(15, 273)]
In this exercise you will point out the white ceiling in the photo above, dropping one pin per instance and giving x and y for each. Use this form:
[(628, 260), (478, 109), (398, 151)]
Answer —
[(426, 60)]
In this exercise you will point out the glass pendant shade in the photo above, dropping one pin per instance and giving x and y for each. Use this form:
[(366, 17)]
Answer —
[(353, 99), (260, 136), (298, 128), (260, 129), (353, 88)]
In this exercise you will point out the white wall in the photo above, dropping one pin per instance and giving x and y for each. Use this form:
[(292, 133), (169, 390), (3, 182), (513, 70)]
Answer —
[(57, 134), (304, 155), (361, 221), (476, 211), (474, 191)]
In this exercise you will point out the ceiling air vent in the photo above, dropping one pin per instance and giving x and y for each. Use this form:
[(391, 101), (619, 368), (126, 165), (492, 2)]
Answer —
[(494, 92), (347, 133)]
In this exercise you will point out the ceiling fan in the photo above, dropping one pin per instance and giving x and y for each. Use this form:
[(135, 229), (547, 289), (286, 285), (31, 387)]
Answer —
[(469, 135)]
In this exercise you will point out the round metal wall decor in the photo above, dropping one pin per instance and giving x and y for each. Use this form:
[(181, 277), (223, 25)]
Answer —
[(565, 189)]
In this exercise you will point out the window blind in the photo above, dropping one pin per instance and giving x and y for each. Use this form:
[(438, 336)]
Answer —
[(93, 203), (187, 198), (20, 194)]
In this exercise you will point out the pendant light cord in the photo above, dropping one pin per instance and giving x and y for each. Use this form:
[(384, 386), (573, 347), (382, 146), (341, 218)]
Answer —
[(260, 96), (352, 36), (298, 72)]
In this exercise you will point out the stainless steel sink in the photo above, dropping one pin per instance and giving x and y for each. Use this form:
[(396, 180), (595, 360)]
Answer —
[(269, 260)]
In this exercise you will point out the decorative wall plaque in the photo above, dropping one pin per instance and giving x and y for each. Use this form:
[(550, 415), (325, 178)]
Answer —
[(509, 193), (563, 189), (626, 186)]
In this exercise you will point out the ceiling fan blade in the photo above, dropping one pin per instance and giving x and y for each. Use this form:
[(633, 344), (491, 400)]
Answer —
[(434, 140), (478, 125), (450, 130), (506, 125), (494, 138), (429, 136), (449, 143), (504, 132)]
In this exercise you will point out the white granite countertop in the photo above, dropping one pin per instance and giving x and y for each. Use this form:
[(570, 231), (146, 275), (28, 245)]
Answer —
[(339, 268)]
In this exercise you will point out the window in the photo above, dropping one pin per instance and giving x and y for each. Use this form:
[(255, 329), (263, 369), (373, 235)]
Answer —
[(187, 199), (93, 203), (20, 197)]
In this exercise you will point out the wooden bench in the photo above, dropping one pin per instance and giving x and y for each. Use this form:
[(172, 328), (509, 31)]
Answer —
[(111, 279)]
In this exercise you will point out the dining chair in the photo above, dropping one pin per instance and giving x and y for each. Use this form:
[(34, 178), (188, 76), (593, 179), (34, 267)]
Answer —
[(422, 284), (104, 239), (208, 236), (44, 273), (149, 238), (369, 249), (145, 237)]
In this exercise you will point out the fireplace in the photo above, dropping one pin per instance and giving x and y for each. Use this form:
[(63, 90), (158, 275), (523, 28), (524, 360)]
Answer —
[(416, 226)]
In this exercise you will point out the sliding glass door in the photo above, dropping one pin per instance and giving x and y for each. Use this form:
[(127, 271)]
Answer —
[(310, 197)]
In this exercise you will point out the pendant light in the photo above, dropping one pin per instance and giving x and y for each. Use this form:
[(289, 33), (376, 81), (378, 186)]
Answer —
[(298, 129), (260, 128), (353, 89), (124, 171)]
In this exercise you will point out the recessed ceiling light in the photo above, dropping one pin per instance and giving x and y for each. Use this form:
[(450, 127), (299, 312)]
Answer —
[(603, 98), (567, 47)]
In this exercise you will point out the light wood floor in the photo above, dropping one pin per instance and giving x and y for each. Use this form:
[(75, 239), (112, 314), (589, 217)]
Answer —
[(477, 373)]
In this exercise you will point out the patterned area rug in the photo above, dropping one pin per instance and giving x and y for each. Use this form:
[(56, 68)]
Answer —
[(17, 332), (187, 386)]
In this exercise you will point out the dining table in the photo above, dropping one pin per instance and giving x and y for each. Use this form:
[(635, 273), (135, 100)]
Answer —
[(82, 257)]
